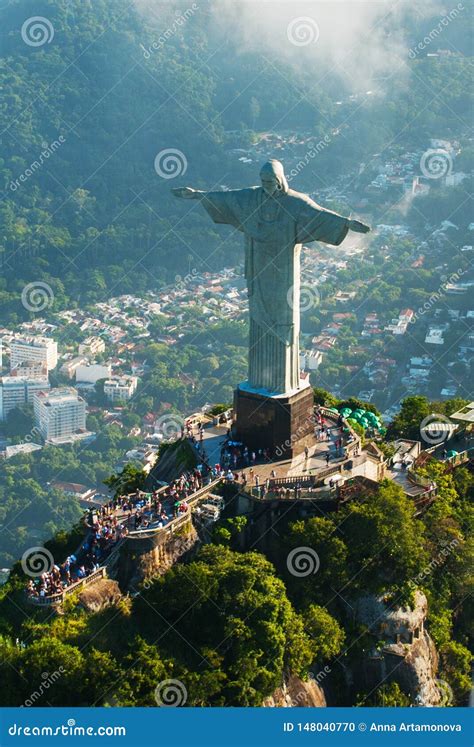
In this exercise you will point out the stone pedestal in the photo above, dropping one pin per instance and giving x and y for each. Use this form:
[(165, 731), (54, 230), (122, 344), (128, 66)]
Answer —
[(284, 424)]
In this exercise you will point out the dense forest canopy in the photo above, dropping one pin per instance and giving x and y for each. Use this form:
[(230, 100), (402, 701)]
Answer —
[(230, 625)]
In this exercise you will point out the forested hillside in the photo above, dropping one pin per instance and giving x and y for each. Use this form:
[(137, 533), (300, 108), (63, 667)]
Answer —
[(92, 217), (230, 625)]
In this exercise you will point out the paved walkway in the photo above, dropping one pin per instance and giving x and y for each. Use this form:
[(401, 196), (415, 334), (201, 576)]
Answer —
[(401, 478), (315, 462), (213, 439)]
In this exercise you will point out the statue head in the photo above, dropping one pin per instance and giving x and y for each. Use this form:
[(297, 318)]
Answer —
[(273, 178)]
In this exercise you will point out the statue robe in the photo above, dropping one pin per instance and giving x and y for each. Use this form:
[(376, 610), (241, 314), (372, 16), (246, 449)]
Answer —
[(274, 228)]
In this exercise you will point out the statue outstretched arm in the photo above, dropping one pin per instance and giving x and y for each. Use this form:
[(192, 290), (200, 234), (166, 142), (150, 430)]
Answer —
[(188, 193), (230, 207), (358, 226)]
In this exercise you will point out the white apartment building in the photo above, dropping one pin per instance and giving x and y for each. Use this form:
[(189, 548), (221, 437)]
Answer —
[(434, 336), (18, 390), (311, 359), (70, 367), (120, 388), (59, 413), (31, 370), (92, 346), (92, 372), (35, 349)]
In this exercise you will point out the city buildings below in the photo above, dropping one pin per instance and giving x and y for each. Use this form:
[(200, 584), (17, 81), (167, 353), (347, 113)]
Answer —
[(74, 490), (15, 449), (399, 326), (311, 359), (91, 373), (16, 391), (371, 325), (60, 415), (457, 289), (92, 346), (345, 296), (145, 455), (434, 336), (120, 388), (69, 367), (37, 349), (31, 370)]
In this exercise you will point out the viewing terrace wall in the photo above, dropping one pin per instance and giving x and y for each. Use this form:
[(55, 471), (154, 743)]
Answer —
[(55, 599), (161, 533)]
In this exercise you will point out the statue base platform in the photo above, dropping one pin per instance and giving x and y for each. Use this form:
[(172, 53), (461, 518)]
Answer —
[(284, 423)]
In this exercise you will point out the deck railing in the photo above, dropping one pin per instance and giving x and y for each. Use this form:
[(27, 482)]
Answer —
[(61, 595), (180, 520), (304, 480), (424, 499)]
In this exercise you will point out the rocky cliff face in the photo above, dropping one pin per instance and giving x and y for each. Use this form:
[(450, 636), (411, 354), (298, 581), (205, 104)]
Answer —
[(405, 653), (418, 673), (296, 693), (142, 559), (101, 594)]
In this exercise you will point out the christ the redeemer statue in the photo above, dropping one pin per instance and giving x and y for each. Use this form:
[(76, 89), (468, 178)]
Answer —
[(276, 221)]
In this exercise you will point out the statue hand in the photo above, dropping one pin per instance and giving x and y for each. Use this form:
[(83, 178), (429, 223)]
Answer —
[(188, 193), (358, 227)]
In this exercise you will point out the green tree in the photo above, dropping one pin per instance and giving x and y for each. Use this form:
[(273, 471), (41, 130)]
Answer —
[(456, 663), (129, 480), (322, 397), (257, 632), (385, 696), (406, 424), (143, 670), (385, 541), (327, 553), (326, 634)]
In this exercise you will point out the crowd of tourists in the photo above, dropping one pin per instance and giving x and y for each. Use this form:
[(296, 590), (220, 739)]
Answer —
[(104, 532), (153, 510)]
